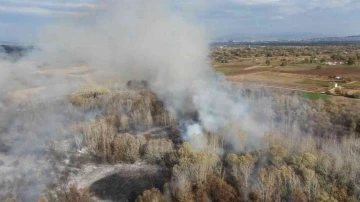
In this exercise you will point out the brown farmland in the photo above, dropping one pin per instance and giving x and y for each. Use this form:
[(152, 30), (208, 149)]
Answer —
[(337, 71)]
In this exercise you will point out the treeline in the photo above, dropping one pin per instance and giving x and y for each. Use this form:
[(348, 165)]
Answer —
[(288, 43), (14, 52), (340, 53)]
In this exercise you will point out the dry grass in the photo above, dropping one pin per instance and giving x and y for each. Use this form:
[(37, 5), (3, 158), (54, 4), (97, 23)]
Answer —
[(88, 95)]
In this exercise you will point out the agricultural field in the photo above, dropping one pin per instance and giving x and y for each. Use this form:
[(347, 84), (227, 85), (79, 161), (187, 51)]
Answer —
[(318, 69)]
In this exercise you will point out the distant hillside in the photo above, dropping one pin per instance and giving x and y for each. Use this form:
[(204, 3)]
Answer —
[(346, 38), (15, 51)]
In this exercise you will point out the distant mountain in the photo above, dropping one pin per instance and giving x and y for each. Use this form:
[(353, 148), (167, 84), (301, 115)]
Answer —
[(338, 39), (14, 51), (356, 36)]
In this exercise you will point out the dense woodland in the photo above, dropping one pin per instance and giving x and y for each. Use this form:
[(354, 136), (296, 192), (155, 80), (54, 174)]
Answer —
[(314, 158), (349, 53)]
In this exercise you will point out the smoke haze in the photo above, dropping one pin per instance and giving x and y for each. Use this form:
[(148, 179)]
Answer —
[(143, 40), (146, 40)]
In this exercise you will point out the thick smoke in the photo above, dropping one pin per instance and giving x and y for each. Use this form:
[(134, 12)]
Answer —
[(142, 40), (151, 40), (32, 115)]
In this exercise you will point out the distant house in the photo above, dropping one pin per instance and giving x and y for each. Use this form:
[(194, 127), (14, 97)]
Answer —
[(333, 84), (330, 63)]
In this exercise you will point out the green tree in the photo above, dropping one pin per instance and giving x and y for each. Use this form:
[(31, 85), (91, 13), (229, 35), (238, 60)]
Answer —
[(312, 59), (267, 62), (351, 61)]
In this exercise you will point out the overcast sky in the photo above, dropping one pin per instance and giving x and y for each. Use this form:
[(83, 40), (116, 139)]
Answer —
[(21, 20)]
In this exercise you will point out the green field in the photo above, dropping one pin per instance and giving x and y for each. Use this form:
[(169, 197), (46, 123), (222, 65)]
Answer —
[(228, 71), (315, 96)]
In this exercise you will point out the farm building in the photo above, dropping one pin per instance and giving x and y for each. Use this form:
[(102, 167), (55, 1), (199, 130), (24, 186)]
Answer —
[(333, 84)]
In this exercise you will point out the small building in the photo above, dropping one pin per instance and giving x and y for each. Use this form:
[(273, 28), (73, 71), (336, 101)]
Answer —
[(330, 63), (333, 84)]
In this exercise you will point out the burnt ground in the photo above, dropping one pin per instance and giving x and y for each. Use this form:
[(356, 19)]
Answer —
[(121, 187), (120, 182)]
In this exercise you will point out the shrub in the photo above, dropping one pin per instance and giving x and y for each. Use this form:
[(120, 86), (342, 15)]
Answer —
[(278, 151), (241, 169), (319, 67), (86, 96), (338, 91), (126, 148), (357, 95), (156, 149), (102, 140), (152, 195), (219, 190), (72, 195), (324, 197), (9, 198), (98, 135), (191, 171), (299, 196), (267, 62), (351, 61)]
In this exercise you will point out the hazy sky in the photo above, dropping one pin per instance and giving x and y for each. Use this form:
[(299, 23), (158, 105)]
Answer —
[(21, 20)]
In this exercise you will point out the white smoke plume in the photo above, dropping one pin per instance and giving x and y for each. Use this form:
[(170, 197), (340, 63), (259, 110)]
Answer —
[(150, 40), (128, 39)]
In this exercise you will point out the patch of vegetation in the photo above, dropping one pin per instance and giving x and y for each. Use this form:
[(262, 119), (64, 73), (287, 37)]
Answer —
[(305, 65), (228, 71), (263, 68), (353, 85), (88, 94), (315, 96)]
